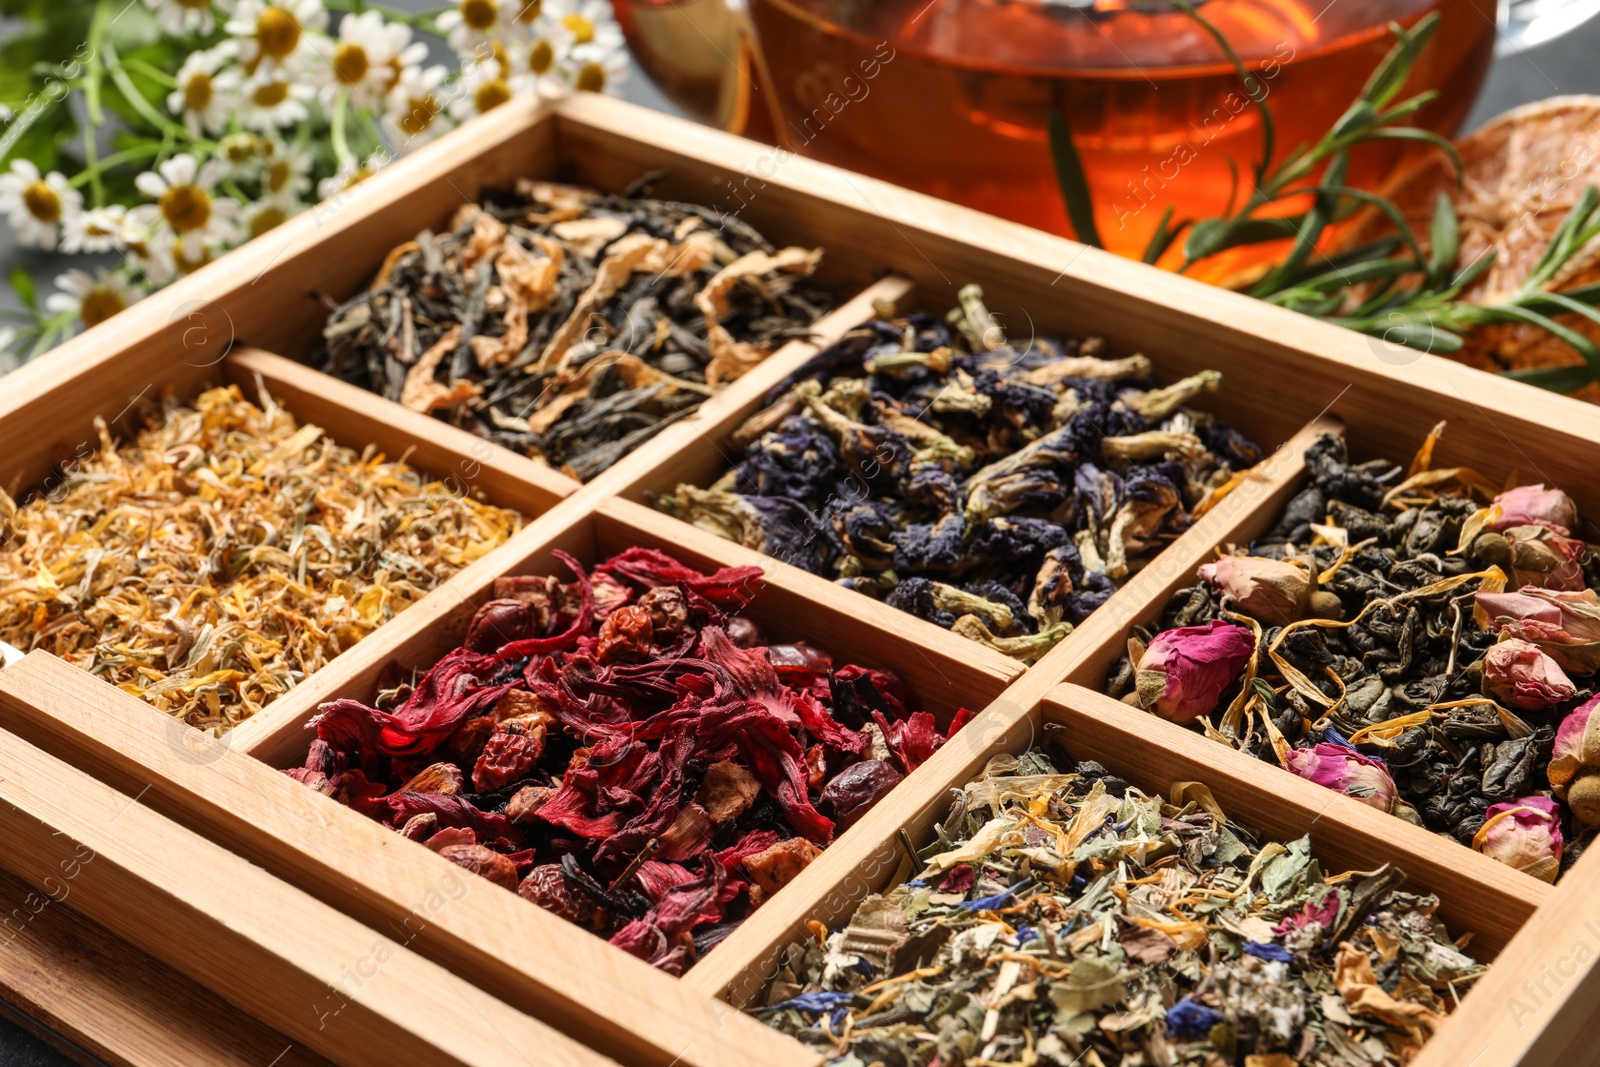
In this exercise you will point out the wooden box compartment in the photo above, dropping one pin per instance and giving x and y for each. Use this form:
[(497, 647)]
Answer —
[(1283, 375)]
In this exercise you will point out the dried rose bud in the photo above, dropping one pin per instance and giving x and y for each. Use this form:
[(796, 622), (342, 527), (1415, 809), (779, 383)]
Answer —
[(627, 635), (1566, 625), (1536, 506), (484, 862), (1543, 558), (1520, 676), (856, 788), (1575, 762), (1525, 834), (1272, 591), (499, 622), (1346, 771), (1185, 671)]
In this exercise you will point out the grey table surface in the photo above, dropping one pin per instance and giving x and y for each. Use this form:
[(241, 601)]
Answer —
[(1565, 65)]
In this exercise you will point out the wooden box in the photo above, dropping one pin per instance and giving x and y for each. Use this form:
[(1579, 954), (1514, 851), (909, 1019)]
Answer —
[(1286, 379)]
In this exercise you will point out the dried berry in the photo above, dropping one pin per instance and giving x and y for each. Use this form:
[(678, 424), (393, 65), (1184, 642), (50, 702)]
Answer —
[(510, 754), (547, 887), (499, 622), (626, 635), (857, 788)]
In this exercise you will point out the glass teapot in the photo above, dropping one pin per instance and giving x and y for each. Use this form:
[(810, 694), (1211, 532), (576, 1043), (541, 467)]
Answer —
[(951, 97)]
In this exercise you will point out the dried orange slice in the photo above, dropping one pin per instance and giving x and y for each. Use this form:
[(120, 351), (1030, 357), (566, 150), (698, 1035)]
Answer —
[(1524, 171)]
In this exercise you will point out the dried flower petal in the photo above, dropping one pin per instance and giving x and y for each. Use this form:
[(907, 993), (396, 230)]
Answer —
[(1525, 834), (1344, 770), (1520, 676), (1184, 672), (1537, 506)]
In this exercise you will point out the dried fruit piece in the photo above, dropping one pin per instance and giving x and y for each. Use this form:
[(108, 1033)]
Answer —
[(626, 635), (547, 887), (857, 788), (773, 868), (510, 754), (484, 862), (727, 791)]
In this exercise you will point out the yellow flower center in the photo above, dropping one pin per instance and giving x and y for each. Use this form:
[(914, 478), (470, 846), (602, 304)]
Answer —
[(351, 63), (278, 32), (276, 176), (498, 50), (266, 219), (99, 304), (94, 229), (591, 78), (491, 94), (582, 29), (270, 94), (239, 147), (42, 201), (186, 207), (420, 113), (361, 174), (541, 56), (479, 14), (529, 11), (197, 92), (391, 74), (186, 265)]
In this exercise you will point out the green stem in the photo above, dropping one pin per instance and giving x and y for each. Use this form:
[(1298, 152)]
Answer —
[(151, 71), (127, 155), (91, 99), (341, 149), (146, 110)]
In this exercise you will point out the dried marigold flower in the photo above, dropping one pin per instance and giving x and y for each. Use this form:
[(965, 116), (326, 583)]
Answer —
[(1525, 834)]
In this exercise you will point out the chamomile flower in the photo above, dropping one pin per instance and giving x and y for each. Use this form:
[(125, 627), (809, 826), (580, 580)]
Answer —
[(413, 111), (482, 88), (181, 189), (8, 337), (205, 94), (35, 205), (592, 68), (473, 23), (268, 213), (274, 35), (99, 229), (350, 174), (93, 298), (360, 61), (582, 22), (150, 254), (183, 18), (286, 173), (405, 57), (270, 101)]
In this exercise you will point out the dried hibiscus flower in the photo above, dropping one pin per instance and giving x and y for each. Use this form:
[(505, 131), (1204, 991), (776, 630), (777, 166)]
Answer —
[(621, 751), (225, 554), (1001, 491)]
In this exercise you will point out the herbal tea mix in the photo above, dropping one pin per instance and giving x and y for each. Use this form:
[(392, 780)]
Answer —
[(1417, 639), (225, 554), (571, 325), (1064, 918), (1001, 492), (625, 751)]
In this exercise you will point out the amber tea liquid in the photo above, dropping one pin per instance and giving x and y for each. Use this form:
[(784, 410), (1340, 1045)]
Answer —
[(950, 97)]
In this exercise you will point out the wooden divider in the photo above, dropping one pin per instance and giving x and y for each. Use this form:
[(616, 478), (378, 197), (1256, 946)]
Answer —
[(88, 993), (352, 995)]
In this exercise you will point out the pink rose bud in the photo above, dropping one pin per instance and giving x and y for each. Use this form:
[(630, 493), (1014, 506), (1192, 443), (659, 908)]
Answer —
[(1520, 676), (1575, 762), (1564, 624), (1272, 591), (1534, 505), (1525, 834), (1345, 770), (1185, 671)]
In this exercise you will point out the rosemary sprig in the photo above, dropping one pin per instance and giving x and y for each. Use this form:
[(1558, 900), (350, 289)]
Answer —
[(1388, 288)]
